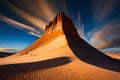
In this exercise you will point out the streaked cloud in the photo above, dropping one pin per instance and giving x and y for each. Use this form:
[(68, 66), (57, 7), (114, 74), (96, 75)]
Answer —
[(19, 25), (107, 36), (81, 32), (8, 50), (34, 34), (80, 27), (37, 22), (105, 33)]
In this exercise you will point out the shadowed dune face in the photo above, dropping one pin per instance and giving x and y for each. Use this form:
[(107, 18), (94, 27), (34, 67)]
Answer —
[(14, 69), (84, 51)]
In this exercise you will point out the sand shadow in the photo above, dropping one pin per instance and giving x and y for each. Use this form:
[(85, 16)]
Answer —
[(86, 52), (13, 69)]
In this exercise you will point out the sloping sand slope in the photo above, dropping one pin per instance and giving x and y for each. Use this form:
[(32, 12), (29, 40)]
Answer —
[(60, 54)]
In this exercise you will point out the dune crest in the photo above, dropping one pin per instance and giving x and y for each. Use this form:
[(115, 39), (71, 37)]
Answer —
[(60, 54)]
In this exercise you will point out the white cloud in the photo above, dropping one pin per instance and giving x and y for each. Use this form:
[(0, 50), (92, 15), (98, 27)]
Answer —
[(80, 27), (34, 34)]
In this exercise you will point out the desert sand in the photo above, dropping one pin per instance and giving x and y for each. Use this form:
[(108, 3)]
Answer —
[(59, 54)]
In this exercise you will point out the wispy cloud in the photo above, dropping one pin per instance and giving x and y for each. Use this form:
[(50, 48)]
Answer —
[(80, 27), (111, 50), (108, 36), (106, 31), (34, 34), (37, 22), (8, 50), (19, 25)]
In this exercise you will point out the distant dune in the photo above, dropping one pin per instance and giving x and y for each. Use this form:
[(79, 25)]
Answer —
[(5, 54), (114, 55), (59, 54)]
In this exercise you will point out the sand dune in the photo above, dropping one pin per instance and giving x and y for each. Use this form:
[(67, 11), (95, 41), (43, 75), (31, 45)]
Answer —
[(114, 55), (59, 54)]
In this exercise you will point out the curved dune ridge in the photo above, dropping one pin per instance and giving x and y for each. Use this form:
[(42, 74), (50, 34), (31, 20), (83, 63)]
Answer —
[(59, 54)]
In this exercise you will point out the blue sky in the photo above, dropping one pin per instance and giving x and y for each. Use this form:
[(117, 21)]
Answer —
[(11, 37), (23, 21)]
